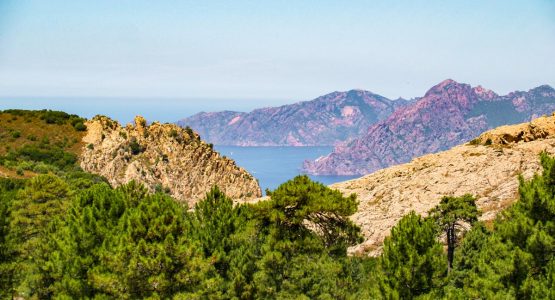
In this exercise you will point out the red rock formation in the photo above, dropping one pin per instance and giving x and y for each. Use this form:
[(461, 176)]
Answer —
[(450, 113)]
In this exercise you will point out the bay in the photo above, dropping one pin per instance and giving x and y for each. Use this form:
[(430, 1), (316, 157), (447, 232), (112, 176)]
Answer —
[(273, 166)]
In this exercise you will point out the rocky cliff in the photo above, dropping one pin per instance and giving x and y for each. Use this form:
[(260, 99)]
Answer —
[(450, 113), (163, 157), (326, 120), (487, 167)]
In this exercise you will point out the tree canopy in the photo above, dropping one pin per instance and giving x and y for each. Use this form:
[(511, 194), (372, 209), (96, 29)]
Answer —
[(69, 234)]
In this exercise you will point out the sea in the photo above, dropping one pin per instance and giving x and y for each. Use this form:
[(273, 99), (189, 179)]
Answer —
[(273, 166)]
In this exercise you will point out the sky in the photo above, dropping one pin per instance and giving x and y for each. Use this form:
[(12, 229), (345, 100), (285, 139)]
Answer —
[(189, 56)]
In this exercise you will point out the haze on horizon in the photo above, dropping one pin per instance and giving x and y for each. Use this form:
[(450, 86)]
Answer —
[(269, 53)]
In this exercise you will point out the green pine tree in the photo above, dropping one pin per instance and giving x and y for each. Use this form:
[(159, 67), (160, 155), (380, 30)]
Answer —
[(451, 214), (412, 261)]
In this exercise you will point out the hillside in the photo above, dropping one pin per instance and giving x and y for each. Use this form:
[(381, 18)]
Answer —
[(326, 120), (450, 113), (487, 167), (37, 141), (164, 157)]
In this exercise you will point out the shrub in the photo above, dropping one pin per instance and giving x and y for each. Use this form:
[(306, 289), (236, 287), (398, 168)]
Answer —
[(189, 131), (16, 134), (474, 142), (80, 126), (135, 147), (53, 156), (43, 168), (54, 117), (45, 141)]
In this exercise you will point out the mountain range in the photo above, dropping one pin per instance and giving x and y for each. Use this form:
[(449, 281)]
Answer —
[(326, 120), (449, 114), (371, 132)]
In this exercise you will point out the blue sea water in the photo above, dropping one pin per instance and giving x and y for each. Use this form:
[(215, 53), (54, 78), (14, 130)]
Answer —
[(273, 166)]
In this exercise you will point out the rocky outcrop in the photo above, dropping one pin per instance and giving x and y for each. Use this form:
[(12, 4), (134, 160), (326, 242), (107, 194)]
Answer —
[(450, 113), (163, 157), (326, 120), (487, 167)]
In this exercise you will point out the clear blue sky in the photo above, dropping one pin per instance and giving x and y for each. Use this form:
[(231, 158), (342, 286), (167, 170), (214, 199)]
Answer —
[(276, 51)]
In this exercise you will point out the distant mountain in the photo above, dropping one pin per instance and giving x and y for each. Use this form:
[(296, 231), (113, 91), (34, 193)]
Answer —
[(450, 113), (326, 120)]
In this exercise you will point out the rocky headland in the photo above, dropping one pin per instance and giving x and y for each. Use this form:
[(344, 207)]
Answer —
[(163, 157)]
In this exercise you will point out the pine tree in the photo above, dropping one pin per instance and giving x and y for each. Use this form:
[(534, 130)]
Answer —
[(8, 191), (90, 221), (483, 266), (451, 215), (43, 199), (151, 256), (304, 226), (412, 261)]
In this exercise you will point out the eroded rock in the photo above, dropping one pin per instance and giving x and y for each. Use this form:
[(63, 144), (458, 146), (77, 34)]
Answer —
[(164, 157)]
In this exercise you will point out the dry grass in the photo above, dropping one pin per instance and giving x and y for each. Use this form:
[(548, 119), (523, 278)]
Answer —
[(18, 131), (6, 172)]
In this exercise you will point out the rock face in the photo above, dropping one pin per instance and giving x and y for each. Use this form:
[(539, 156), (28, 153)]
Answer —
[(487, 167), (162, 156), (326, 120), (449, 114)]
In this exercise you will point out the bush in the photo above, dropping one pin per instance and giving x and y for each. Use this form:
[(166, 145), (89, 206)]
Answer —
[(16, 134), (53, 156), (43, 168), (55, 117), (135, 147), (48, 116), (80, 126), (189, 131)]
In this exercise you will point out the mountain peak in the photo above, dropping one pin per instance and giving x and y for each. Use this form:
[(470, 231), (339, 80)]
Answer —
[(545, 88), (447, 81), (443, 86)]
